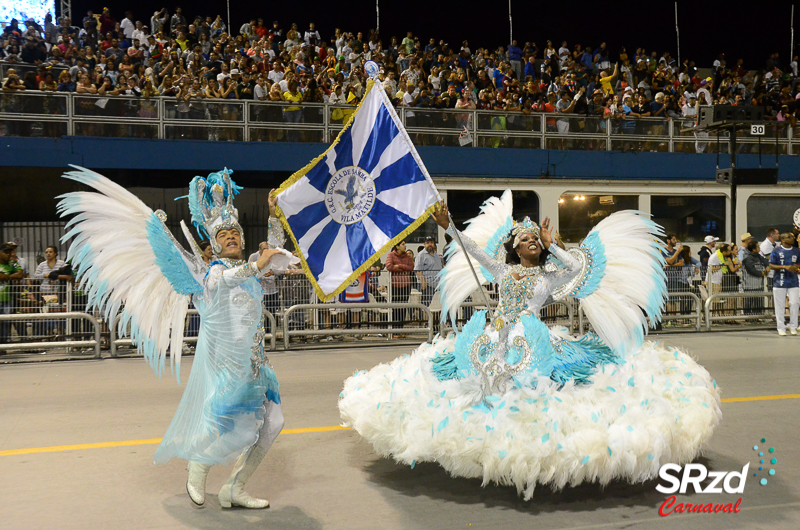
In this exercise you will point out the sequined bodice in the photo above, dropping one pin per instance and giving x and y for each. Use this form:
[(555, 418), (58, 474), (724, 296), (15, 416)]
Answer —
[(523, 296)]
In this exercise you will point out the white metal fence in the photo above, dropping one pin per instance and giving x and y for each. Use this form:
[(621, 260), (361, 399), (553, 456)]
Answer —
[(41, 314)]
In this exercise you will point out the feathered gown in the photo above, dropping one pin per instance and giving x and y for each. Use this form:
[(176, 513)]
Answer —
[(514, 402)]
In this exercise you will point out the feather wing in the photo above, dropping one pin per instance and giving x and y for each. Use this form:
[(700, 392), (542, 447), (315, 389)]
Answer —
[(127, 259), (624, 281), (488, 230)]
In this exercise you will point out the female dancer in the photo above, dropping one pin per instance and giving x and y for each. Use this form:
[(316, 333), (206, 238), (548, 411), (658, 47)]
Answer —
[(514, 402)]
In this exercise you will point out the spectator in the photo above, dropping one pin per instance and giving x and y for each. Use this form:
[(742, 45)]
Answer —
[(427, 266), (128, 26), (177, 21), (673, 262), (13, 82), (784, 262), (33, 52), (65, 83), (756, 268), (312, 37), (515, 58), (9, 270), (565, 106), (714, 275), (52, 271), (293, 113), (107, 22), (607, 80), (707, 249), (400, 264), (766, 247), (745, 240)]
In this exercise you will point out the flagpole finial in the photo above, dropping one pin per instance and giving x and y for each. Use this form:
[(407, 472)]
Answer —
[(372, 69)]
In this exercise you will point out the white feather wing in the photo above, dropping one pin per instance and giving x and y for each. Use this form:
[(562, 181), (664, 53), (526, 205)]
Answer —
[(112, 251), (627, 283), (456, 282)]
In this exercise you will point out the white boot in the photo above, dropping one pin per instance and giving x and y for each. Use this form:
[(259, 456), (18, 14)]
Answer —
[(196, 485), (232, 493)]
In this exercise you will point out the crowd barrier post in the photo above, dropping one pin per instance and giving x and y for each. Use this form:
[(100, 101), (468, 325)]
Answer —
[(53, 344)]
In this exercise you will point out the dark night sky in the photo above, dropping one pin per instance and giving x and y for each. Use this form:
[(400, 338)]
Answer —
[(748, 30)]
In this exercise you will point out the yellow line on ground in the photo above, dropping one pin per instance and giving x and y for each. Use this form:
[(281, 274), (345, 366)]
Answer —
[(761, 398), (150, 441), (153, 441)]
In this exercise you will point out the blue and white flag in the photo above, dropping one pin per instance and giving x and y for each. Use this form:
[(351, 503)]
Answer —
[(365, 193)]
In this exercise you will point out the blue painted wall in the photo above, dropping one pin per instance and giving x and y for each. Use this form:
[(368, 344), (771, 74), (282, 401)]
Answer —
[(122, 153)]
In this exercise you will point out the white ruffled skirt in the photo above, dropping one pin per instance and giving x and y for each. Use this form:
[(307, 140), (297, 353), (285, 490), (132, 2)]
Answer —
[(658, 407)]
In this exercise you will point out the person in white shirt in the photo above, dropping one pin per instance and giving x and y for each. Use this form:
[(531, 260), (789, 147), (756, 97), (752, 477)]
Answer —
[(765, 249), (140, 32), (312, 36), (335, 97), (275, 75), (260, 92), (689, 110), (127, 25), (704, 94)]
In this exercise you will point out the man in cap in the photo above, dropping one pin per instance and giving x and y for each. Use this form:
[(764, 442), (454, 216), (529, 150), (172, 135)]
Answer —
[(22, 261), (745, 239), (427, 266), (9, 270), (704, 93), (707, 249)]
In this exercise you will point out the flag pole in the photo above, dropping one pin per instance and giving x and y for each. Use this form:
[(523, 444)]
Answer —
[(474, 274)]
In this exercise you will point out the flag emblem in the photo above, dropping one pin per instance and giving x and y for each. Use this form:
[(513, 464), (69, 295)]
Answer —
[(350, 195), (351, 204)]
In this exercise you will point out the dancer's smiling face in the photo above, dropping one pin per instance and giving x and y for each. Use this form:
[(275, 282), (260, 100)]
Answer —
[(529, 247), (231, 243)]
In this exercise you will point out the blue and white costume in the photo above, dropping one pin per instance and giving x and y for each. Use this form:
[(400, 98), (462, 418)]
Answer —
[(514, 402), (128, 260)]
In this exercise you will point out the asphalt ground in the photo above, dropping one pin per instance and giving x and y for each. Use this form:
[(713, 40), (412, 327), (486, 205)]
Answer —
[(77, 442)]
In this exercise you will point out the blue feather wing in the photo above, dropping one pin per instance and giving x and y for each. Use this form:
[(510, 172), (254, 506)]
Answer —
[(170, 260), (595, 273)]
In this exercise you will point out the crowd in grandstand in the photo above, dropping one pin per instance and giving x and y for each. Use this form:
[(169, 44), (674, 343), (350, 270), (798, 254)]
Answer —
[(201, 58)]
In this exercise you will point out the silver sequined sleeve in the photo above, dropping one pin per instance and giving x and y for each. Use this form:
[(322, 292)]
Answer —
[(496, 268), (562, 276), (275, 236), (230, 277)]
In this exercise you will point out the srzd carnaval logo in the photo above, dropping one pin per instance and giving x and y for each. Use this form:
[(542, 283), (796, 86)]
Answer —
[(732, 482)]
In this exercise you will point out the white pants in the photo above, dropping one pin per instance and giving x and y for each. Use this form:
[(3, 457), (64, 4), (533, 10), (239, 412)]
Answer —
[(273, 425), (780, 294)]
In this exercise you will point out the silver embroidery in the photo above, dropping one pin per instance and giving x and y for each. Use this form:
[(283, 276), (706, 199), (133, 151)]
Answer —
[(198, 264), (258, 358), (245, 270), (577, 282), (275, 234)]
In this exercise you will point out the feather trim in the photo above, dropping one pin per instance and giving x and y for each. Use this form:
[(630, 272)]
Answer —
[(455, 279), (118, 249), (627, 283)]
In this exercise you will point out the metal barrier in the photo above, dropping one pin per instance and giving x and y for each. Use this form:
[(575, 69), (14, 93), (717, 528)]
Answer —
[(288, 333), (737, 317), (57, 114), (696, 314), (53, 344), (114, 342)]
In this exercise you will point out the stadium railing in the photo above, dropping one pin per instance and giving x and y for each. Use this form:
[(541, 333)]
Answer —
[(57, 114)]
